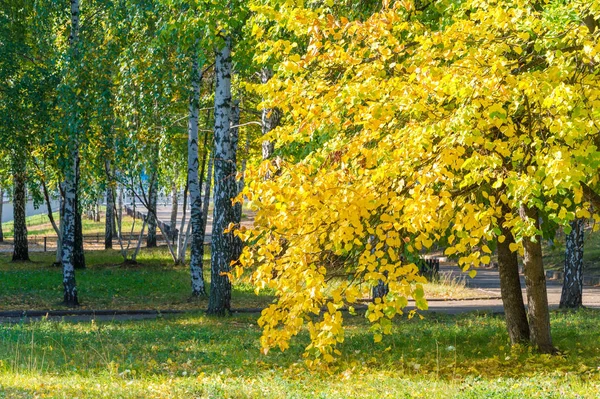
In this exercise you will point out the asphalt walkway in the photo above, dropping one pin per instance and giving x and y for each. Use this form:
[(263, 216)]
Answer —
[(488, 280)]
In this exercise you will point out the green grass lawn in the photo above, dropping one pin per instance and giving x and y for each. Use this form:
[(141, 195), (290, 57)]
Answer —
[(33, 222), (196, 356), (108, 284), (155, 283)]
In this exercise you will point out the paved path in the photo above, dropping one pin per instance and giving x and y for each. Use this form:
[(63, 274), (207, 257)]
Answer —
[(489, 280), (486, 280)]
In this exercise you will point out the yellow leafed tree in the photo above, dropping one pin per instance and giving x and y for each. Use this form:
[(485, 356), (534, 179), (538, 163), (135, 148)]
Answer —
[(459, 125)]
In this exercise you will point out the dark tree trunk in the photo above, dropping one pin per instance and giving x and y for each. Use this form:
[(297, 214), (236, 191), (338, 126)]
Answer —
[(572, 289), (119, 214), (61, 227), (225, 187), (591, 23), (97, 211), (381, 289), (510, 289), (1, 207), (20, 247), (152, 201), (535, 280), (115, 222), (109, 217), (270, 119), (238, 244)]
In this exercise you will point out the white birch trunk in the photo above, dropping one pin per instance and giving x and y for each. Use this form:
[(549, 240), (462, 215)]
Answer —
[(139, 243), (120, 208), (225, 187), (174, 207), (572, 289), (109, 216), (70, 184), (68, 242), (152, 220), (185, 244), (97, 211), (197, 247), (181, 246), (207, 187)]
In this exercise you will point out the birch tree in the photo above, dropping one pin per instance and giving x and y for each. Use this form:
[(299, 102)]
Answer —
[(110, 213), (71, 170), (197, 216), (572, 288), (174, 205), (225, 188), (152, 216)]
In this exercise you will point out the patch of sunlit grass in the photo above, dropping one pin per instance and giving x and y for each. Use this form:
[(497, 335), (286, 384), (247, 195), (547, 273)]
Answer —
[(465, 356)]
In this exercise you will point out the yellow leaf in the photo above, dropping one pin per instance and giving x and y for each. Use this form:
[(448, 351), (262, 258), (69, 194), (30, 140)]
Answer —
[(330, 307), (229, 228)]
